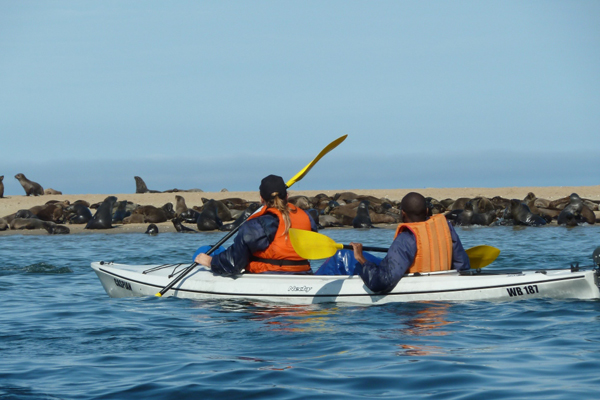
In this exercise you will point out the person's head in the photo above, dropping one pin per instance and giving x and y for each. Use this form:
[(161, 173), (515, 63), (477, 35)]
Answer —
[(414, 207), (273, 192), (272, 187)]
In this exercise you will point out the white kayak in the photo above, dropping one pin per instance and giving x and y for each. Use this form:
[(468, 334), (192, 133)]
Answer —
[(120, 280)]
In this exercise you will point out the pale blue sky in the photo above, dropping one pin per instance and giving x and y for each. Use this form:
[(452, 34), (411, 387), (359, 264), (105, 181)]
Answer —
[(218, 94)]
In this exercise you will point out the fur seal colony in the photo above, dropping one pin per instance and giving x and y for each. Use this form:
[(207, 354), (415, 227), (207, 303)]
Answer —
[(344, 209)]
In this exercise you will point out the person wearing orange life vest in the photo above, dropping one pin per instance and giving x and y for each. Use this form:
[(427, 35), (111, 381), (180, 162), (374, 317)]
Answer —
[(421, 244), (262, 244)]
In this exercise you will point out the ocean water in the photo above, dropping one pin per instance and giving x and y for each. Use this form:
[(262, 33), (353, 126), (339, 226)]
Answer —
[(62, 337)]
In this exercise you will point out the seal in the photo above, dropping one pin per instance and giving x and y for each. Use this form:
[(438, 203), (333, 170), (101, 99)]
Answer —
[(134, 219), (180, 206), (152, 230), (3, 224), (208, 219), (182, 211), (34, 223), (459, 204), (378, 218), (26, 214), (57, 229), (576, 212), (500, 202), (362, 219), (31, 188), (346, 197), (53, 211), (344, 210), (1, 186), (52, 191), (447, 203), (329, 221), (179, 227), (121, 212), (78, 213), (235, 203), (241, 218), (9, 218), (301, 202), (320, 203), (484, 218), (154, 214), (222, 210), (331, 205), (27, 223), (482, 205), (102, 219), (463, 217), (530, 200), (522, 215), (435, 206), (140, 186)]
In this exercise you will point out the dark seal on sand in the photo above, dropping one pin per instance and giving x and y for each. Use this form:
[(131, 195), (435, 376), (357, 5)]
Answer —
[(209, 220), (103, 217), (362, 219), (140, 186)]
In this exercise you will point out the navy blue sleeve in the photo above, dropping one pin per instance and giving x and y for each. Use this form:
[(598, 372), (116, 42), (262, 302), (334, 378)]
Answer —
[(254, 235), (460, 259), (313, 225), (400, 256)]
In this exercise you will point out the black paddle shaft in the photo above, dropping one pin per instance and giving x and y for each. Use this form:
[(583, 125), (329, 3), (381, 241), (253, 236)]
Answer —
[(368, 248), (209, 252)]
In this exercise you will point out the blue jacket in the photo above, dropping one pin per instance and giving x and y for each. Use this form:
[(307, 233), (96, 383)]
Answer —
[(254, 235), (383, 278)]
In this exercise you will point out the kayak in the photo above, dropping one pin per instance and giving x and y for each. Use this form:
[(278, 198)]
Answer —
[(121, 280)]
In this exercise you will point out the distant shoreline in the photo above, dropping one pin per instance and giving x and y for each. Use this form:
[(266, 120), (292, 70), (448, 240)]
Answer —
[(12, 204)]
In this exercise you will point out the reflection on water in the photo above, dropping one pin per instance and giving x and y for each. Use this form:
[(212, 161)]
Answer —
[(428, 321), (275, 317), (294, 318), (418, 321)]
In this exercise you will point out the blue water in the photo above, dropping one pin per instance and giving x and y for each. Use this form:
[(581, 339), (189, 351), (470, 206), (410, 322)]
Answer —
[(62, 337)]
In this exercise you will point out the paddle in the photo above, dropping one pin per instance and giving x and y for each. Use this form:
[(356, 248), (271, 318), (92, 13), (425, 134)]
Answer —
[(289, 183), (315, 246), (482, 255)]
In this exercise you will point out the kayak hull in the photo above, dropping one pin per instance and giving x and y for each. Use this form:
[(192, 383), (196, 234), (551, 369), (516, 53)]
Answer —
[(121, 280)]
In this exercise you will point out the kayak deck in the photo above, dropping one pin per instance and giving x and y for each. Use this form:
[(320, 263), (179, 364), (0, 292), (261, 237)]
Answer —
[(121, 280)]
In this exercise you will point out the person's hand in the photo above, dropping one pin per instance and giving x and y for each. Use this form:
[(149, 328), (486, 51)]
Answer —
[(358, 252), (203, 259)]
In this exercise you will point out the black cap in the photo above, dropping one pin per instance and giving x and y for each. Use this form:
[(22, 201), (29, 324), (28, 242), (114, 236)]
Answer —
[(272, 184)]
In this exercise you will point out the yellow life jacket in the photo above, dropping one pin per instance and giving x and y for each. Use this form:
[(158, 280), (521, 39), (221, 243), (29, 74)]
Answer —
[(434, 244)]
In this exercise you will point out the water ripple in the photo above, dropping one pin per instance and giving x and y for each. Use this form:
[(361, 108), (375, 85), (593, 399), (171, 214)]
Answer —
[(62, 337)]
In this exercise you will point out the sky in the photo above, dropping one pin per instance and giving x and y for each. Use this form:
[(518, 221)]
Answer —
[(219, 94)]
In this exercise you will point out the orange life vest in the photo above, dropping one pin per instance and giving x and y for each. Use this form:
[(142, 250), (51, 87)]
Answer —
[(280, 255), (434, 244)]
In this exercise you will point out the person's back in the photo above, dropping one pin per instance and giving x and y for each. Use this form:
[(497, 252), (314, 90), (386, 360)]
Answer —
[(262, 244), (421, 244)]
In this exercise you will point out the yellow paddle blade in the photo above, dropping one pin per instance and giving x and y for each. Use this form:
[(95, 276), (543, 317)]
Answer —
[(483, 255), (313, 245), (311, 164)]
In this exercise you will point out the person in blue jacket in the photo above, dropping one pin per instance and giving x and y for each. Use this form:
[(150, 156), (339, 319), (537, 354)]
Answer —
[(252, 248), (402, 254)]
